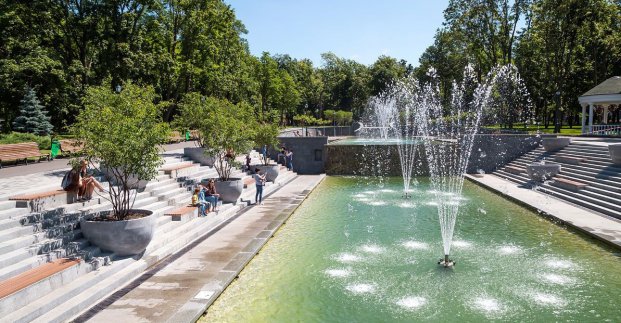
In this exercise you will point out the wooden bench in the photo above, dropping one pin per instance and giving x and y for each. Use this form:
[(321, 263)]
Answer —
[(176, 136), (569, 160), (177, 214), (21, 151), (32, 276), (568, 184), (71, 146), (44, 200), (513, 170)]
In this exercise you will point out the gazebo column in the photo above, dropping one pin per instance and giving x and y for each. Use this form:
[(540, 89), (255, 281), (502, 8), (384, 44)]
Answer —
[(605, 114), (583, 116), (590, 117)]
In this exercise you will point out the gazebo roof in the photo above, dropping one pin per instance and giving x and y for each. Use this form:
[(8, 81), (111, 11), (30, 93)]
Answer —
[(609, 86)]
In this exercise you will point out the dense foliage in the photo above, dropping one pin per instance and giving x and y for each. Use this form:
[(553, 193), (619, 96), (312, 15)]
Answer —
[(561, 47), (61, 48)]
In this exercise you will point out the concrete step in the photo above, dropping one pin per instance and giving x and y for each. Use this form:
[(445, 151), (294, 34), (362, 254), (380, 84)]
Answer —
[(609, 197), (581, 200), (594, 200), (9, 224), (159, 190), (157, 183), (567, 171), (605, 174), (76, 295), (601, 183), (16, 232), (93, 282), (14, 256), (585, 153), (6, 205), (183, 198), (593, 148), (21, 242), (20, 267), (13, 213)]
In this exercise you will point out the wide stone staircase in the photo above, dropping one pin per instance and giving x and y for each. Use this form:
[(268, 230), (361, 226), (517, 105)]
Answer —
[(587, 178), (30, 241)]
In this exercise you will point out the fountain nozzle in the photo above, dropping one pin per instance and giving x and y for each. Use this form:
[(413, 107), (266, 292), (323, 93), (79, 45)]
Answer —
[(406, 195), (446, 262)]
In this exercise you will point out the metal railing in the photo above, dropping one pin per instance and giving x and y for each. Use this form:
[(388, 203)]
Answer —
[(605, 130)]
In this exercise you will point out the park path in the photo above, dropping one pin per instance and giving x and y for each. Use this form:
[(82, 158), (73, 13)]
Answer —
[(48, 175)]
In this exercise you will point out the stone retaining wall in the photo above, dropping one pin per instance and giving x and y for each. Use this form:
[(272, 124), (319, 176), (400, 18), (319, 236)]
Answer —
[(489, 152)]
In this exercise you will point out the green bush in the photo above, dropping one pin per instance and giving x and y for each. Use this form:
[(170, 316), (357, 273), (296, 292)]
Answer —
[(44, 142)]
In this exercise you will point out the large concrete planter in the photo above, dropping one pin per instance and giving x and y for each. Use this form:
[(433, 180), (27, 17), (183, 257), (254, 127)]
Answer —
[(197, 154), (615, 153), (123, 238), (270, 171), (554, 144), (542, 172), (230, 190)]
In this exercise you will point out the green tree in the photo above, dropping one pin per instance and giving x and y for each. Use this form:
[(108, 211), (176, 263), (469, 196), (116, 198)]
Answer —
[(122, 131), (33, 118), (384, 72)]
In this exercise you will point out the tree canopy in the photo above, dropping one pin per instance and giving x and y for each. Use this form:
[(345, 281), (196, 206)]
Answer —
[(61, 48)]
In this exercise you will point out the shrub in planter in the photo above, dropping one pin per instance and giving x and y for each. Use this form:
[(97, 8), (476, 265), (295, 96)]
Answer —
[(122, 131), (225, 129), (195, 110)]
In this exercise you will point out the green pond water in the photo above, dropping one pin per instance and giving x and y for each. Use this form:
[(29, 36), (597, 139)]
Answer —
[(356, 251)]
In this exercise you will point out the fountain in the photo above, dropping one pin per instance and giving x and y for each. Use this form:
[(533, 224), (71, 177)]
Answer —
[(396, 113), (409, 112), (448, 136)]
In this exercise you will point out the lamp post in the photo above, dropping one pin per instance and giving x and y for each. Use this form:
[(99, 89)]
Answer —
[(118, 88)]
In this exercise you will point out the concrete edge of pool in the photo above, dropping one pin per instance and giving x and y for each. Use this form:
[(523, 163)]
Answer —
[(196, 307), (600, 227)]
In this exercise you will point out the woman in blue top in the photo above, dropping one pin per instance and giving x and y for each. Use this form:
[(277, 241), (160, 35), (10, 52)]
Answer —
[(211, 195)]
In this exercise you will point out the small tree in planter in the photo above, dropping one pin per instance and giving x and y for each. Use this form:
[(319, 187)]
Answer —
[(196, 113), (122, 133), (225, 130), (266, 134), (231, 132)]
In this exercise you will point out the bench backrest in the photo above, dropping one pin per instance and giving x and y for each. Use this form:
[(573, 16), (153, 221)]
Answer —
[(22, 150)]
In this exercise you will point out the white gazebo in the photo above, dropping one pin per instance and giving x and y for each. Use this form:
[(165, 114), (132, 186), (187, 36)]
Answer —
[(605, 94)]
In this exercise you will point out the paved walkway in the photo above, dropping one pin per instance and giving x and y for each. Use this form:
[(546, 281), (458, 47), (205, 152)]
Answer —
[(183, 289), (602, 227), (43, 175)]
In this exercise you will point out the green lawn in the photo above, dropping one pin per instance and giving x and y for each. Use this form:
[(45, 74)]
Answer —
[(565, 130)]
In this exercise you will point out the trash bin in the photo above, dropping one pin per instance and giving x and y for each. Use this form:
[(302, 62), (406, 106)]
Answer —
[(187, 135), (55, 147)]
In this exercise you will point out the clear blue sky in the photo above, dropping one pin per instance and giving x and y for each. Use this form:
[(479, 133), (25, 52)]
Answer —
[(360, 30)]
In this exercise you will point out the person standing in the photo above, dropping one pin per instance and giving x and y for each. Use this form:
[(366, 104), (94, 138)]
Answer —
[(248, 160), (289, 159), (259, 180), (264, 152)]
